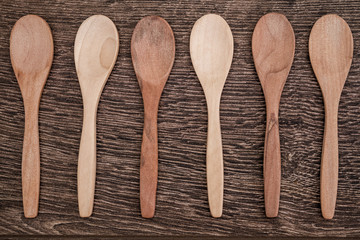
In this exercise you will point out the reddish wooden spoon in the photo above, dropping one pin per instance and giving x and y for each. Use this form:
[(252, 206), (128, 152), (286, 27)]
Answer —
[(331, 51), (273, 47), (153, 54), (31, 52)]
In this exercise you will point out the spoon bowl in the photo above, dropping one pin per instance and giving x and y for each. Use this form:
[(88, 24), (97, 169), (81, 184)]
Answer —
[(331, 51), (211, 50), (153, 54), (31, 53), (273, 48), (95, 52)]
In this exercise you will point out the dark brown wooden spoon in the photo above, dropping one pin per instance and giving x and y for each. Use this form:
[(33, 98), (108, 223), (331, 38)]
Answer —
[(31, 52), (153, 54)]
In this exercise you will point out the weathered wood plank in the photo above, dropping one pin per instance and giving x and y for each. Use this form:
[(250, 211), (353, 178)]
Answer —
[(182, 207)]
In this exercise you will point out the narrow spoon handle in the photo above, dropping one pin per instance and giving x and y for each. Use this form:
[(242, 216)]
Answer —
[(329, 164), (31, 161), (272, 164), (149, 164), (87, 161), (214, 161)]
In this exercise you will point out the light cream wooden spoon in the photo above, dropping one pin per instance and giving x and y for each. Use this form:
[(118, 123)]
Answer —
[(211, 50), (153, 55), (273, 47), (95, 52), (331, 51), (31, 52)]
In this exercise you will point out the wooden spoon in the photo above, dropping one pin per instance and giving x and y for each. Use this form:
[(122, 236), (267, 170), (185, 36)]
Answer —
[(273, 47), (31, 52), (331, 51), (153, 54), (211, 50), (95, 52)]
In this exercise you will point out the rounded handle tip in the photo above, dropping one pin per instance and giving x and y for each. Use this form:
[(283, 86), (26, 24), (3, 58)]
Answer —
[(271, 213), (85, 213), (327, 212), (147, 212), (216, 213), (30, 213)]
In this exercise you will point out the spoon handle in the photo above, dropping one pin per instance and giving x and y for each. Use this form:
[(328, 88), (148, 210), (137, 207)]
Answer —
[(149, 163), (329, 164), (272, 164), (87, 161), (214, 160), (31, 161)]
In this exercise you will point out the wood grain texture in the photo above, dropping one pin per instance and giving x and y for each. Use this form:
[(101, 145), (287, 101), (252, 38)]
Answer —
[(211, 50), (182, 207), (273, 48), (331, 52), (31, 51)]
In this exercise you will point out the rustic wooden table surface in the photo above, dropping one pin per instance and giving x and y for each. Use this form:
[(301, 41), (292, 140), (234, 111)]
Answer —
[(182, 207)]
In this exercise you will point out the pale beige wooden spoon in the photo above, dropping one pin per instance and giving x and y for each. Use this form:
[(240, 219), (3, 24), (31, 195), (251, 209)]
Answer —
[(273, 48), (95, 52), (331, 51), (153, 55), (31, 52), (211, 50)]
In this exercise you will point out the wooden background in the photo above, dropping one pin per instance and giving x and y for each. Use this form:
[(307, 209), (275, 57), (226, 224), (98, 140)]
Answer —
[(182, 207)]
